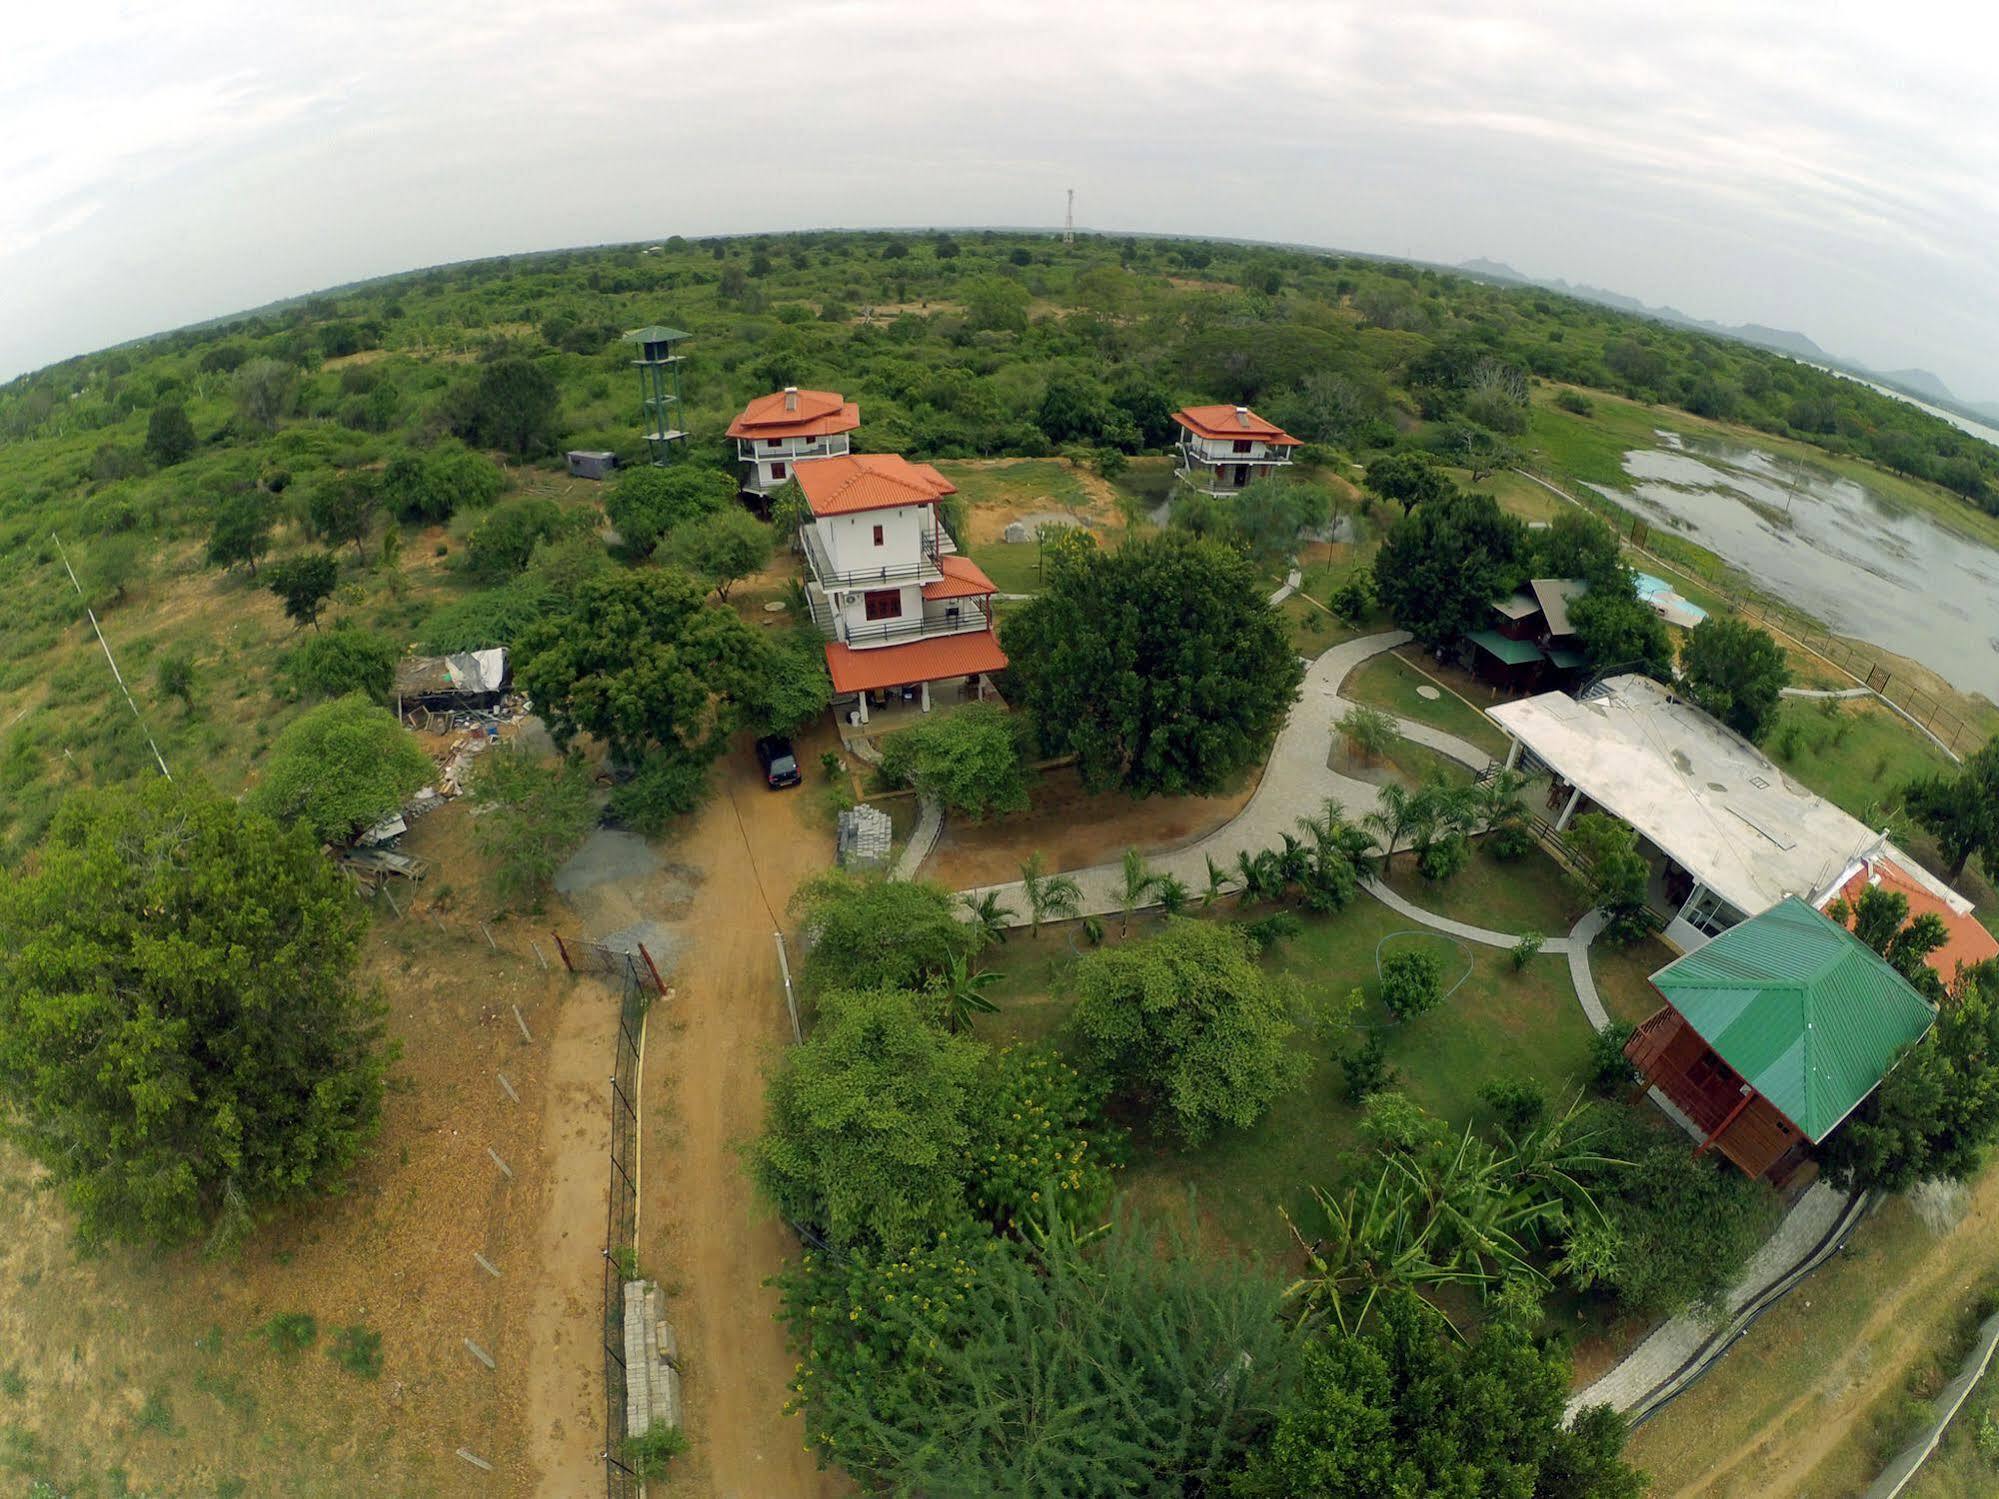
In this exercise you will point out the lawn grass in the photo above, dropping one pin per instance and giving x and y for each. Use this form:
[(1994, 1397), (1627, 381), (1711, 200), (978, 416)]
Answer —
[(1145, 485), (1516, 494), (1501, 1023), (1389, 682), (1855, 753), (1313, 631), (1623, 977), (1528, 894), (1014, 566), (1017, 482)]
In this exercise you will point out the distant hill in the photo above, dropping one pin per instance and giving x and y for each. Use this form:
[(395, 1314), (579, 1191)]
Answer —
[(1919, 383)]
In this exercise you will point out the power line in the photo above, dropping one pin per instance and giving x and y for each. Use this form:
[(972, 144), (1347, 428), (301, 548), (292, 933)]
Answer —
[(116, 675)]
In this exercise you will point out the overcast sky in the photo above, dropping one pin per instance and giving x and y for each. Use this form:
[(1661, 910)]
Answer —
[(1822, 167)]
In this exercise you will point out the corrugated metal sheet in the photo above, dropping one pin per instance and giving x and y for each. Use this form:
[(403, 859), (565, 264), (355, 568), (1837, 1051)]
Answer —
[(1806, 1012)]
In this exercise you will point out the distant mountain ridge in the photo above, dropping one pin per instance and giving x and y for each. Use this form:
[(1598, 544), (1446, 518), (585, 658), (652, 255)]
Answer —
[(1920, 383)]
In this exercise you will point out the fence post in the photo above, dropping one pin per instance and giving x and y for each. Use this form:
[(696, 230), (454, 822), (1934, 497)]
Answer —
[(563, 951), (658, 985)]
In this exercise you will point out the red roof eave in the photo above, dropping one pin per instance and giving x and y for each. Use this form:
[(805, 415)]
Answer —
[(919, 661)]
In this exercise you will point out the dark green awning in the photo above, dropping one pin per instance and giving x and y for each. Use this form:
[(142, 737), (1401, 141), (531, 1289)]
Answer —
[(1565, 659), (1512, 652)]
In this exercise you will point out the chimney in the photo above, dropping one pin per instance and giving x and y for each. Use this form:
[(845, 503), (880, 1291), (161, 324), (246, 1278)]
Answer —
[(1242, 416), (791, 398)]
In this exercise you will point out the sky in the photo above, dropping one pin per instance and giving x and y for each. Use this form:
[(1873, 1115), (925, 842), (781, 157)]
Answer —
[(1822, 167)]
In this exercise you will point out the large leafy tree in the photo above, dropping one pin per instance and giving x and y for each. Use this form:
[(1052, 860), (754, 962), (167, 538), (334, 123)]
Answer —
[(339, 768), (1618, 630), (535, 817), (1410, 478), (344, 505), (183, 1044), (1961, 810), (169, 434), (1403, 1408), (643, 662), (241, 530), (1267, 519), (304, 583), (1187, 1023), (1736, 672), (1160, 664), (862, 931), (1935, 1112), (969, 760), (648, 503), (512, 404), (722, 549), (1443, 565), (865, 1131)]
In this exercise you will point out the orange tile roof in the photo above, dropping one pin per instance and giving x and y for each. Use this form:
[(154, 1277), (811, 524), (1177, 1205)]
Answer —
[(1222, 422), (963, 579), (1969, 941), (819, 413), (851, 482), (920, 661)]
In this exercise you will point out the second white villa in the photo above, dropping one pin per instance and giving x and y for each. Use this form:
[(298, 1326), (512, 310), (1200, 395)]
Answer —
[(1223, 449), (775, 431), (903, 614)]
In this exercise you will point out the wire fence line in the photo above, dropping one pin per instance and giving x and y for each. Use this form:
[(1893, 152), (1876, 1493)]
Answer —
[(639, 985)]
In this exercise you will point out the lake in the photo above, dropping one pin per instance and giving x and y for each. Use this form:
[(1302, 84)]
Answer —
[(1867, 566)]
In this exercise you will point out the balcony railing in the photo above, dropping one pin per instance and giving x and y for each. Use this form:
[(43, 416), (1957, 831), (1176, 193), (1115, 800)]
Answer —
[(966, 621), (924, 569), (753, 450)]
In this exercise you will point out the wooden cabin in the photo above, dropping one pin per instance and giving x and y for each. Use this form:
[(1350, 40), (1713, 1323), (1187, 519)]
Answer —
[(1773, 1033)]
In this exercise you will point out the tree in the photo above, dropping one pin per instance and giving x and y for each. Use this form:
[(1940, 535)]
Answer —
[(512, 405), (648, 503), (534, 817), (1935, 1112), (345, 505), (169, 434), (1961, 811), (1050, 897), (340, 768), (1187, 1022), (345, 659), (1128, 1365), (1139, 882), (865, 1130), (989, 914), (1266, 519), (1409, 477), (1736, 672), (1619, 630), (1412, 983), (503, 543), (411, 490), (1159, 665), (1442, 566), (1072, 408), (722, 548), (1617, 875), (265, 392), (1369, 732), (1403, 1408), (969, 760), (1575, 544), (959, 994), (642, 662), (241, 531), (995, 304), (305, 583), (862, 930), (183, 1045)]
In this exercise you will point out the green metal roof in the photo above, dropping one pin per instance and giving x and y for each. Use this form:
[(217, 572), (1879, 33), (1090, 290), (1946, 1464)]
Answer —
[(1565, 659), (656, 334), (1807, 1013), (1512, 652)]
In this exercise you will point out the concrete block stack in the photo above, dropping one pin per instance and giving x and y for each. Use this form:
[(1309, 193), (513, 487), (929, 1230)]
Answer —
[(652, 1362)]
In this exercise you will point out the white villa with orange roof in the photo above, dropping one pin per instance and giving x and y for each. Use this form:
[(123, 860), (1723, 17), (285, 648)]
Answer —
[(777, 430), (898, 607), (1225, 448)]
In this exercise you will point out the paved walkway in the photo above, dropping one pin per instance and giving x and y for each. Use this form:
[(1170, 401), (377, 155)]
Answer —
[(1827, 692), (1581, 935), (922, 838), (1292, 582)]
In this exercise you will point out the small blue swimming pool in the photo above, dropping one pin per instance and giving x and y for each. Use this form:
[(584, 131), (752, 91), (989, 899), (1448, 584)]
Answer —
[(1657, 591)]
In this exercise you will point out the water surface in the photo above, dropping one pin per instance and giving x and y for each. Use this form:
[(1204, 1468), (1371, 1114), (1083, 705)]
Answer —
[(1866, 565)]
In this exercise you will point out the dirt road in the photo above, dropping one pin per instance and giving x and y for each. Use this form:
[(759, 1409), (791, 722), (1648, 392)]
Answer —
[(711, 1243)]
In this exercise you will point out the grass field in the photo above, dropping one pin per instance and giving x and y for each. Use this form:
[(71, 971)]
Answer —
[(1499, 1024), (1014, 566), (1392, 683), (1016, 482), (1528, 894)]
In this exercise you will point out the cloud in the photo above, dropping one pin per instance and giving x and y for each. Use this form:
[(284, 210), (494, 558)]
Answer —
[(1818, 167)]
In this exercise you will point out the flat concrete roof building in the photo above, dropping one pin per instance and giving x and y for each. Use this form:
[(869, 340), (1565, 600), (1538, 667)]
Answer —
[(1725, 817)]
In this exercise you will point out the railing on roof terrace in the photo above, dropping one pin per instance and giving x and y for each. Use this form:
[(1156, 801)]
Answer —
[(965, 621)]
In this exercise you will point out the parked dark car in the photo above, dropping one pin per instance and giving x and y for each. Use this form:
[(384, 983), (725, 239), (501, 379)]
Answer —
[(779, 763)]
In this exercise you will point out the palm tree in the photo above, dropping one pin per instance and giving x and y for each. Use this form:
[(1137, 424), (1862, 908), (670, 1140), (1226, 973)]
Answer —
[(1218, 883), (1138, 883), (959, 993), (1050, 897), (1395, 812), (990, 915), (1172, 892)]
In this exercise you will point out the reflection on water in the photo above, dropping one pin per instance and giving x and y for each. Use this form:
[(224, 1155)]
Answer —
[(1868, 567)]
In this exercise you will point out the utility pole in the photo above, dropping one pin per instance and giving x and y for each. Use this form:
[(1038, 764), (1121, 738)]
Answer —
[(1069, 220)]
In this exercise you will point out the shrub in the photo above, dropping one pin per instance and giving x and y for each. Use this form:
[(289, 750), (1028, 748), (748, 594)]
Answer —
[(1609, 1068), (344, 659), (536, 816), (1575, 401), (667, 785), (1037, 1140), (358, 1350), (1518, 1103), (1525, 950), (970, 760), (290, 1332), (1354, 599), (1441, 858), (1412, 982), (650, 1456), (1365, 1069), (864, 930), (339, 768), (502, 544)]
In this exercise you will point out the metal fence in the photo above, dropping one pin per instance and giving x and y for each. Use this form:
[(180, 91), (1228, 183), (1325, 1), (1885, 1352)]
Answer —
[(639, 984)]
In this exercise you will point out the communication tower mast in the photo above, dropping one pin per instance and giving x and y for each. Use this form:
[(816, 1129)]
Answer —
[(1069, 220)]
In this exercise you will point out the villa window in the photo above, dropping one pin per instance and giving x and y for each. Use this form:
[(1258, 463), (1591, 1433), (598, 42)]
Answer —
[(1242, 445), (773, 442), (777, 471), (878, 535), (883, 603)]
